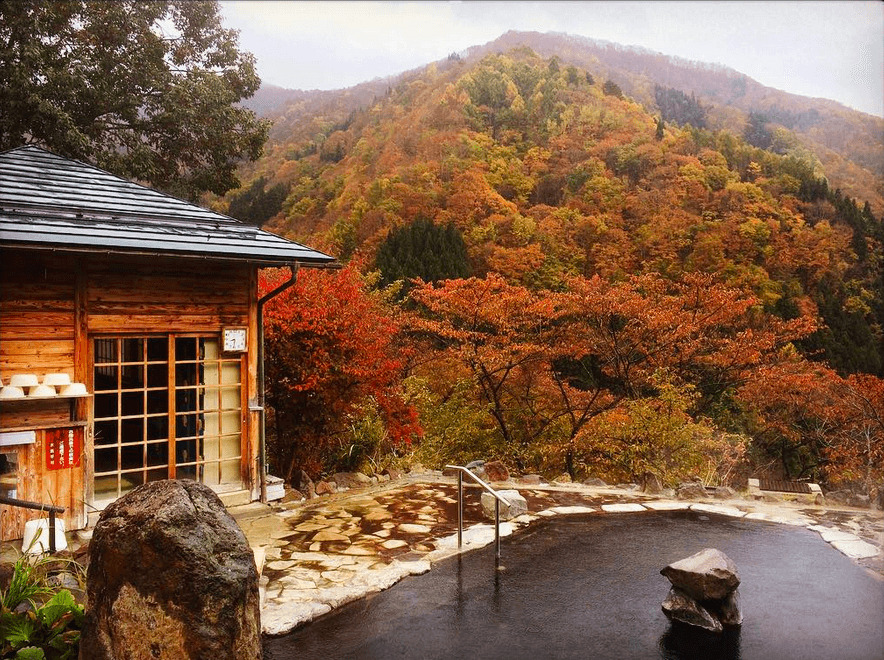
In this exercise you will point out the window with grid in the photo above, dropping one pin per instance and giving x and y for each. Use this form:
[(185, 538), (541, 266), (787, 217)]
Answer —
[(165, 407)]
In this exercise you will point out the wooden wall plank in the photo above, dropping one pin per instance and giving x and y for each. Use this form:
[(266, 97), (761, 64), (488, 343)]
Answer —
[(162, 323), (147, 290), (43, 290), (36, 306), (47, 320), (31, 326), (39, 357), (158, 309), (26, 415), (45, 348)]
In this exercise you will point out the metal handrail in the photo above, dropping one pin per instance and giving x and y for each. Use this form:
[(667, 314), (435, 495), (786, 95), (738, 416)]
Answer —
[(461, 470)]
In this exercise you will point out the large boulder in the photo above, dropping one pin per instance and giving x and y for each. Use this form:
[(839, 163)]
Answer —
[(518, 504), (171, 577), (704, 591), (707, 575)]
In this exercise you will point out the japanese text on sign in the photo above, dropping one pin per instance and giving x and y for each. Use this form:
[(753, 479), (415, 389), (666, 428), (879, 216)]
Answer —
[(63, 448)]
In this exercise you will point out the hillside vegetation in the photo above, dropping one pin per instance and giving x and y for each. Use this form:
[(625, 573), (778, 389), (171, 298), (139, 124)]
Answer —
[(624, 285)]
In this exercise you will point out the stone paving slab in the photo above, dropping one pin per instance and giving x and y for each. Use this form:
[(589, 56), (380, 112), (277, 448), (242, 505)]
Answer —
[(567, 510), (623, 508), (667, 505), (831, 534), (719, 509), (856, 548), (332, 551), (781, 520)]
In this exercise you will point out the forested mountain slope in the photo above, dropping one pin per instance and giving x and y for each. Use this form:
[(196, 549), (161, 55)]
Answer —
[(548, 169), (848, 144)]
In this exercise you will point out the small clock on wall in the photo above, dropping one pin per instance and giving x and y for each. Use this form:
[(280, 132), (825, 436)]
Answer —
[(234, 340)]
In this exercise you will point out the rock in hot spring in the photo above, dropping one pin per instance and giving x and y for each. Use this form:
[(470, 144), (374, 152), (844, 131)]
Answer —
[(707, 575), (704, 591)]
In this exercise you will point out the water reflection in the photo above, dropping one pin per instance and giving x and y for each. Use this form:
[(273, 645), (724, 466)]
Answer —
[(684, 642), (496, 597), (459, 598)]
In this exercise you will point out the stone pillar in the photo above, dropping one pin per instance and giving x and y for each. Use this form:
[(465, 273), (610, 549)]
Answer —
[(171, 577)]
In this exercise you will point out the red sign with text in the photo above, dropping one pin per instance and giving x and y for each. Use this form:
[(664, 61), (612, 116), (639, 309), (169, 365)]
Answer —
[(63, 448)]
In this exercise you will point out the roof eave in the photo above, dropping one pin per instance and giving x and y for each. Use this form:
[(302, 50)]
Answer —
[(261, 261)]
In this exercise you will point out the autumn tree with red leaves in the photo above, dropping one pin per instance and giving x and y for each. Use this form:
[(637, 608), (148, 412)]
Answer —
[(794, 411), (330, 359), (812, 423), (702, 334), (500, 332), (857, 453), (547, 363)]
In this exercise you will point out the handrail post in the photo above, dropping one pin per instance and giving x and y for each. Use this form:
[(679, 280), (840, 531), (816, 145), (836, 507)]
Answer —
[(52, 531), (460, 509)]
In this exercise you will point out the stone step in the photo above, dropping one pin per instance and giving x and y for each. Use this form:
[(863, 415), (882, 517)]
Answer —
[(235, 497)]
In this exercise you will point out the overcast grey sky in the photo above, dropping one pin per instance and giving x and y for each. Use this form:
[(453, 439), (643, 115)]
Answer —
[(833, 50)]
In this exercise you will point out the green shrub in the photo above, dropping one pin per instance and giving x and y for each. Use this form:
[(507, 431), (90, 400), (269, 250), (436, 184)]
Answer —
[(37, 620)]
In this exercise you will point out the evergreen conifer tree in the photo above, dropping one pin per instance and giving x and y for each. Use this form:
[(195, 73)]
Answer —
[(425, 250)]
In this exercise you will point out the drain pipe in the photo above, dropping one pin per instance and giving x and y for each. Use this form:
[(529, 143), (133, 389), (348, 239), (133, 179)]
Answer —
[(262, 443)]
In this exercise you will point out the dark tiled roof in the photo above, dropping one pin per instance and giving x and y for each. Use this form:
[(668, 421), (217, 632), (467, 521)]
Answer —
[(50, 201)]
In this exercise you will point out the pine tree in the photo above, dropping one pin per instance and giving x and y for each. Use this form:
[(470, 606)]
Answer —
[(425, 250)]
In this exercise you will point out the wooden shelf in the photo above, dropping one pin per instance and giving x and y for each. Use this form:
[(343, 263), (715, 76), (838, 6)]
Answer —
[(45, 399), (25, 413), (41, 427)]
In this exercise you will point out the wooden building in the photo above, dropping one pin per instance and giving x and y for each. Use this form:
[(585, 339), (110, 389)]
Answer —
[(151, 303)]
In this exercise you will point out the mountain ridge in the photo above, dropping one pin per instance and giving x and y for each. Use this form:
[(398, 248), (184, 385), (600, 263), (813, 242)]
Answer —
[(848, 142)]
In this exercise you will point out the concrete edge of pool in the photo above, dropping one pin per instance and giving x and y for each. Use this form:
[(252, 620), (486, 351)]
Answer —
[(298, 585)]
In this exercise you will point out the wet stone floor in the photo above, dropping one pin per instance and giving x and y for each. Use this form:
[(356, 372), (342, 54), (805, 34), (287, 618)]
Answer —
[(317, 556)]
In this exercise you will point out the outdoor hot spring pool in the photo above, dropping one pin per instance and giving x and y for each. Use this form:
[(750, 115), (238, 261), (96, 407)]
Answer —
[(590, 587)]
